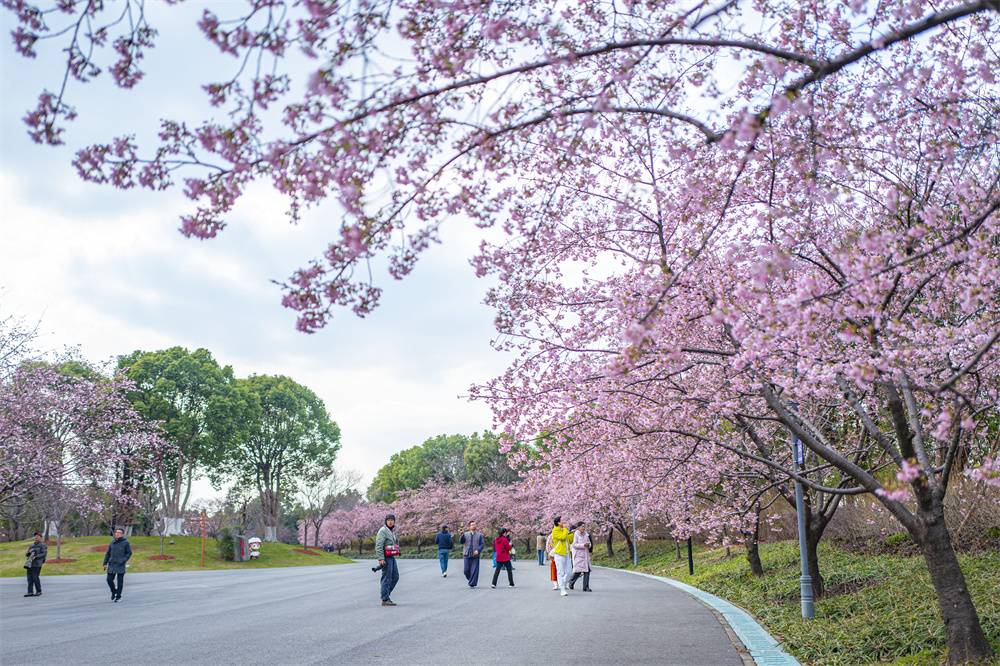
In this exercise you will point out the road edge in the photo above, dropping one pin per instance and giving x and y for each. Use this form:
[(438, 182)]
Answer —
[(763, 649)]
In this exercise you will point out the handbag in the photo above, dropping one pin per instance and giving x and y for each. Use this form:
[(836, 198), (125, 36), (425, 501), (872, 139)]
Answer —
[(391, 551)]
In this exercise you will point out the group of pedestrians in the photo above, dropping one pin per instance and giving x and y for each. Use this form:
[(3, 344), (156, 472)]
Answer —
[(568, 548), (119, 552)]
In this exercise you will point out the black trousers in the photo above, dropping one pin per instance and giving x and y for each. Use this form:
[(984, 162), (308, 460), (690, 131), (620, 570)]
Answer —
[(34, 582), (510, 572), (116, 591), (586, 579)]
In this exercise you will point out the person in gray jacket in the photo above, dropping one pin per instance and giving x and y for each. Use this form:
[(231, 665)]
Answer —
[(119, 552), (37, 552), (473, 548), (390, 572)]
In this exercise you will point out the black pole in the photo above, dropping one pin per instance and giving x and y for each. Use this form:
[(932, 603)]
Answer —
[(690, 559)]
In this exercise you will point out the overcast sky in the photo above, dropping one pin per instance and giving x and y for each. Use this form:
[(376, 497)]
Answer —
[(107, 270)]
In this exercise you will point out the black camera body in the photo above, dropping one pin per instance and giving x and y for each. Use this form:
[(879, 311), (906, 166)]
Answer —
[(378, 568)]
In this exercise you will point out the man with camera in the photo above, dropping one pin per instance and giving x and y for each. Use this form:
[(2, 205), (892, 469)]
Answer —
[(386, 550)]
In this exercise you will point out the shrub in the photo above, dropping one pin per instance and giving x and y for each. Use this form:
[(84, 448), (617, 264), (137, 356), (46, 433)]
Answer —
[(226, 544)]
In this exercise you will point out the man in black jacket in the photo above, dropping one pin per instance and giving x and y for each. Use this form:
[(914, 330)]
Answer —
[(445, 545), (37, 551), (119, 552)]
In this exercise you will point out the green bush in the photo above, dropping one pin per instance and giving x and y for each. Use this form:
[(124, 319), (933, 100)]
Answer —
[(226, 544), (897, 538)]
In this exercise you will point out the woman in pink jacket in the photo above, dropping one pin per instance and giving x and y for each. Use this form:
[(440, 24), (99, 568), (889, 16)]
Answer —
[(581, 546), (503, 551)]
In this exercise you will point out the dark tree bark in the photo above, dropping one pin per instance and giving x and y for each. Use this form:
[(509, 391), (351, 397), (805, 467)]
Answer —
[(753, 551), (609, 542)]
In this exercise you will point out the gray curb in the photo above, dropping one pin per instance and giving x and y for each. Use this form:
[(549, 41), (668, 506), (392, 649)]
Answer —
[(763, 647)]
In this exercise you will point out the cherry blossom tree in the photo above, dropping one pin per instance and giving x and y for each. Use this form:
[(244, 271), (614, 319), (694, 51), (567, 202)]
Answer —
[(60, 431), (716, 211)]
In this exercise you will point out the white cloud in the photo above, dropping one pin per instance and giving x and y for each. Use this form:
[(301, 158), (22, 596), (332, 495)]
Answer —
[(108, 270)]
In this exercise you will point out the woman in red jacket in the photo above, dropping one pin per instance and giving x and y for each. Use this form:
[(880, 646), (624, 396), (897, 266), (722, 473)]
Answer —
[(503, 550)]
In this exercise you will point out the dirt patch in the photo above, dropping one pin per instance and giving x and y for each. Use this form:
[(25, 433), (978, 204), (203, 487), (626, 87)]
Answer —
[(162, 557), (60, 560), (51, 543), (306, 552), (100, 549)]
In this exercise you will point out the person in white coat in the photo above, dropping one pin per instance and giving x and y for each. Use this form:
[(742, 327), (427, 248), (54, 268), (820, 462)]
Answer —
[(581, 547)]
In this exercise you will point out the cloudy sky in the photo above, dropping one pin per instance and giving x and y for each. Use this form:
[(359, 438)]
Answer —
[(108, 271)]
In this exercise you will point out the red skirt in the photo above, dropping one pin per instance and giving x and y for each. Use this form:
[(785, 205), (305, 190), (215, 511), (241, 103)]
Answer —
[(552, 567)]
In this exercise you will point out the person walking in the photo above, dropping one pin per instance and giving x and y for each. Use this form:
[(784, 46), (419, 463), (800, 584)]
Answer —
[(445, 544), (386, 550), (503, 552), (540, 547), (560, 547), (581, 548), (473, 544), (554, 575), (118, 553), (37, 551)]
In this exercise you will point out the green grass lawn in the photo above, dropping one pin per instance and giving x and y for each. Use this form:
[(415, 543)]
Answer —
[(186, 550), (889, 616)]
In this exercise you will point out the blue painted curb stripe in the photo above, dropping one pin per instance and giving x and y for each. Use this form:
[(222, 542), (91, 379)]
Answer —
[(762, 646)]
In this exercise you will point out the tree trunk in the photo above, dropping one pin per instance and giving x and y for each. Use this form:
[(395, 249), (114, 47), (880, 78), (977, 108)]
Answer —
[(305, 534), (58, 545), (812, 541), (753, 552), (173, 525), (965, 637), (609, 543)]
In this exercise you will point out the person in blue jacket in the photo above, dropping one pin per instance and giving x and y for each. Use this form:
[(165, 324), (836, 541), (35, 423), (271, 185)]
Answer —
[(119, 552), (445, 544)]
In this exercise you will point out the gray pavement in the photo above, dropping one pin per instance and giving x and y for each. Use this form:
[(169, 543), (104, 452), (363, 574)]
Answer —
[(332, 615)]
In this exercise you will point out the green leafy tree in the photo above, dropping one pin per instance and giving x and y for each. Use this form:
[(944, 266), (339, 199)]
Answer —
[(451, 458), (288, 433), (202, 415)]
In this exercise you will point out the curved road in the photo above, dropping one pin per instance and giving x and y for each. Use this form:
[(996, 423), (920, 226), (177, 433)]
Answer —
[(332, 615)]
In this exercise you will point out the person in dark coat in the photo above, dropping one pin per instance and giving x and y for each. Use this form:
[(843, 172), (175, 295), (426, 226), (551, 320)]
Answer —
[(119, 552), (445, 544), (474, 545), (37, 552)]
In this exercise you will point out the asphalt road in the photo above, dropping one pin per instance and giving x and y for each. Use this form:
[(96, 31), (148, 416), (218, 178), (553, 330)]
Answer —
[(332, 615)]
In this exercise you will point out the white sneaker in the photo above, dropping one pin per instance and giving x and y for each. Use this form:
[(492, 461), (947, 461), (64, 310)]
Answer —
[(444, 575), (564, 593), (555, 586)]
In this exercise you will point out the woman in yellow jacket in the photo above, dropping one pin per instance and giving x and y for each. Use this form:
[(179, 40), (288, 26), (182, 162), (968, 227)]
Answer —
[(561, 538)]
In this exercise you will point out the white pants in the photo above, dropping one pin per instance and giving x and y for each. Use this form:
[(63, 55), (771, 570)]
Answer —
[(562, 570)]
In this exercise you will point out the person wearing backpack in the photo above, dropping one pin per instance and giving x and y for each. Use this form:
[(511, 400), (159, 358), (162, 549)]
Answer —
[(36, 552)]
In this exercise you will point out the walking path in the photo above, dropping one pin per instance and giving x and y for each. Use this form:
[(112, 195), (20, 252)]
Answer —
[(331, 614)]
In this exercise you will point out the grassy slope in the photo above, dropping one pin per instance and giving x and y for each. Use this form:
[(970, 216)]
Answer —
[(187, 550), (894, 620)]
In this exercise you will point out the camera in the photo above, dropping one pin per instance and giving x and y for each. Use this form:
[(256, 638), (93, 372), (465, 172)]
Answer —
[(378, 568)]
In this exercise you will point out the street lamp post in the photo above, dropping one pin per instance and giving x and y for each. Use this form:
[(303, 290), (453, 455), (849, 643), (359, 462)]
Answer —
[(805, 580)]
